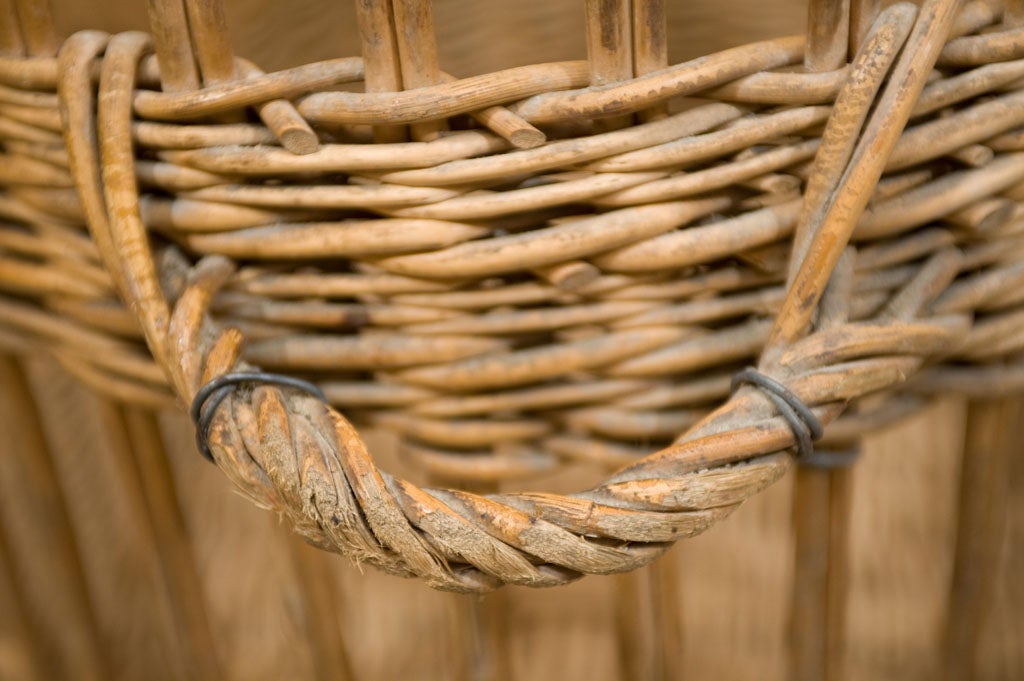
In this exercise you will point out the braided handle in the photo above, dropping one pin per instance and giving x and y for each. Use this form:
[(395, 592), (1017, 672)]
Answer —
[(289, 451)]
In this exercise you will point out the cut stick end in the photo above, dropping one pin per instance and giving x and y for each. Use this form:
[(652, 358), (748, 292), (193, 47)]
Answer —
[(299, 141), (527, 138), (570, 276)]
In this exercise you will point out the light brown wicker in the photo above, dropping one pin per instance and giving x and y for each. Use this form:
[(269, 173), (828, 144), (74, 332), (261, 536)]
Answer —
[(548, 263)]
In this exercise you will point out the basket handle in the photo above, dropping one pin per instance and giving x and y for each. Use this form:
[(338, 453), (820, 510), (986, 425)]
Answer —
[(289, 451), (850, 160)]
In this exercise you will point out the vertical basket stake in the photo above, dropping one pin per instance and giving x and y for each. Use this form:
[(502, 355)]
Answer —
[(11, 42), (862, 17), (650, 47), (380, 54), (169, 25), (609, 49), (36, 19), (417, 50), (828, 34)]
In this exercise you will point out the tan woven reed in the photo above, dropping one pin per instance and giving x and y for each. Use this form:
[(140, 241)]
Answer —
[(544, 264)]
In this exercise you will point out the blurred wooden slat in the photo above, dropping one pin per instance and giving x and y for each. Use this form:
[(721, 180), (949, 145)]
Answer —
[(840, 516), (322, 598), (256, 606), (821, 519), (478, 630), (564, 633), (648, 622), (171, 542), (810, 600), (736, 583), (988, 445), (118, 562), (20, 658), (1001, 657), (902, 527), (45, 554)]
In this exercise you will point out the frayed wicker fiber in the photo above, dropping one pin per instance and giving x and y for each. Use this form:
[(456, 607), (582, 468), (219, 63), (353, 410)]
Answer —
[(513, 270)]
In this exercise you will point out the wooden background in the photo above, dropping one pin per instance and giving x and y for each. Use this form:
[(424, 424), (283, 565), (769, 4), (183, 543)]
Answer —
[(279, 610)]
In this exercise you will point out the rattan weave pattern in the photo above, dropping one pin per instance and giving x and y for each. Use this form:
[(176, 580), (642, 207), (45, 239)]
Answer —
[(512, 270)]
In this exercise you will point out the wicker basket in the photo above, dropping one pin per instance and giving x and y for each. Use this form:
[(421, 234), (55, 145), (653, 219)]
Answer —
[(514, 271)]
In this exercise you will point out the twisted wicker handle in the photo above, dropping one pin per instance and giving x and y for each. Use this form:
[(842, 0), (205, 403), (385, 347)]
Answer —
[(290, 452)]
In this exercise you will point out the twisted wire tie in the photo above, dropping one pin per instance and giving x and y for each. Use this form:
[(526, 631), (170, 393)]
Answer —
[(805, 425), (209, 397)]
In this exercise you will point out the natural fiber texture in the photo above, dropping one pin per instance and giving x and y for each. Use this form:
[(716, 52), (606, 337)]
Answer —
[(504, 308)]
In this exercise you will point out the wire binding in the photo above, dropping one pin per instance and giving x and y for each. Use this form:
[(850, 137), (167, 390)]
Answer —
[(209, 397), (805, 425)]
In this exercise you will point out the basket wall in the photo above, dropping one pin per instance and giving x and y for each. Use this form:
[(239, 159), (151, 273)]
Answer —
[(734, 585)]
